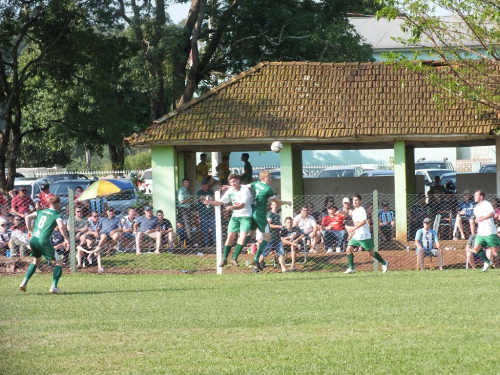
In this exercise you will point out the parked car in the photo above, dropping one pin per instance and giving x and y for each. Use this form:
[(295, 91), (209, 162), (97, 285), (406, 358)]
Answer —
[(33, 186), (430, 175), (346, 171), (422, 163), (66, 176), (147, 185), (488, 168), (376, 173), (61, 188), (276, 173)]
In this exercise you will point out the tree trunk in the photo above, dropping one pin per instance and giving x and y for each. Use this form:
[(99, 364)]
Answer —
[(117, 156)]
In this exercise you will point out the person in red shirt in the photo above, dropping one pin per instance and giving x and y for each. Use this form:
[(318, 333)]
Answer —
[(333, 229), (22, 205), (44, 197)]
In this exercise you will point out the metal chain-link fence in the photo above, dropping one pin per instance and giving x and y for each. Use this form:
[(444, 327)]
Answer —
[(124, 233)]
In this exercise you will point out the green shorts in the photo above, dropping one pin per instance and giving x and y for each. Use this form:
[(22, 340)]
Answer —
[(487, 241), (260, 221), (367, 244), (45, 249), (239, 224)]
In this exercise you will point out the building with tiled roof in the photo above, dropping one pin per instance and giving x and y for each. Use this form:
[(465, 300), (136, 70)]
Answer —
[(313, 106), (317, 105)]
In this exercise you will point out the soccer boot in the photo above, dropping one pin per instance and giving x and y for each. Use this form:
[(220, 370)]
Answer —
[(55, 290)]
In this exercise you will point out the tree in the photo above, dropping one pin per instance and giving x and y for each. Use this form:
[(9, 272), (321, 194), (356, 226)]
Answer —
[(221, 37), (55, 34), (466, 43)]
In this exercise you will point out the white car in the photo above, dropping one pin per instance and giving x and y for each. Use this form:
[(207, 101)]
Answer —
[(147, 186), (345, 171)]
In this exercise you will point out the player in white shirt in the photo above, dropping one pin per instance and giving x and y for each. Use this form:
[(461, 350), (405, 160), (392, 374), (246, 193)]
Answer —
[(241, 219), (360, 236), (486, 230)]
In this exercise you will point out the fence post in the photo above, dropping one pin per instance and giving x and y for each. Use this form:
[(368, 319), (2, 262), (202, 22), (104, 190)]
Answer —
[(375, 227), (218, 234), (71, 214)]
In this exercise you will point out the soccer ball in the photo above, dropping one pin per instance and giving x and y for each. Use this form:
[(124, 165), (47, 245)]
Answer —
[(277, 146)]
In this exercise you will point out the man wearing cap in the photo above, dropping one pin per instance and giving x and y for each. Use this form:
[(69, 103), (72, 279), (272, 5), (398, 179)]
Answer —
[(206, 213), (386, 221), (427, 242), (147, 225), (111, 231), (486, 230), (466, 214), (346, 210), (22, 204), (44, 197), (360, 236)]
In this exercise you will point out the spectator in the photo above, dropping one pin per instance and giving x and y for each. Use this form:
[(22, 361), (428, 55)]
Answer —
[(425, 240), (496, 206), (207, 213), (202, 171), (166, 230), (128, 228), (4, 207), (274, 220), (246, 176), (184, 209), (88, 248), (329, 201), (22, 204), (437, 187), (19, 240), (347, 210), (147, 225), (81, 226), (57, 241), (386, 222), (315, 214), (15, 220), (84, 204), (223, 170), (111, 231), (466, 214), (5, 234), (291, 237), (44, 197), (333, 229), (307, 225)]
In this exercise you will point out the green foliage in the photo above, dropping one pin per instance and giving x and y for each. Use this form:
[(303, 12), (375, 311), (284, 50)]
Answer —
[(466, 42), (138, 161), (302, 323)]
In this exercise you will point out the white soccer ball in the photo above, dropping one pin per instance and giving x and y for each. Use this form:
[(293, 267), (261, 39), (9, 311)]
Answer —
[(277, 146)]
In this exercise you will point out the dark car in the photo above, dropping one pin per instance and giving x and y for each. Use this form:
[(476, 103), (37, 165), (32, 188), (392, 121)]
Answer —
[(66, 176), (488, 168), (62, 187)]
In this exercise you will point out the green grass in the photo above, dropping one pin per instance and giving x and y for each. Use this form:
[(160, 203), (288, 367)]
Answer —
[(306, 323)]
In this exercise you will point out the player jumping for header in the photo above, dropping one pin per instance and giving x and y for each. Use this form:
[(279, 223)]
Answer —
[(359, 235), (40, 233), (262, 193)]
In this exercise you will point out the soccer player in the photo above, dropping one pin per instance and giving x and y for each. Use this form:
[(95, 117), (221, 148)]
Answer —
[(241, 219), (46, 221), (486, 230), (262, 193), (360, 236)]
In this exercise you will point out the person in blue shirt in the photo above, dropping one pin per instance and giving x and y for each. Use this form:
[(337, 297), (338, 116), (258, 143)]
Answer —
[(427, 242), (466, 214)]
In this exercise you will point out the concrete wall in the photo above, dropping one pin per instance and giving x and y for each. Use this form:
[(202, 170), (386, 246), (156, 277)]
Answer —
[(475, 181)]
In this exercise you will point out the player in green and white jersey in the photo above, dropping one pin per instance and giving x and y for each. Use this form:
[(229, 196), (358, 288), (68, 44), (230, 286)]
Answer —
[(262, 193), (40, 233), (241, 219)]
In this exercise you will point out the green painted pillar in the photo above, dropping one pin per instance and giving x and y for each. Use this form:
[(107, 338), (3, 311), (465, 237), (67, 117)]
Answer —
[(291, 166), (181, 168), (165, 174), (404, 184)]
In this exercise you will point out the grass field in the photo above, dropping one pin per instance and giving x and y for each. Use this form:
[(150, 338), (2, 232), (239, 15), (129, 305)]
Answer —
[(305, 323)]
